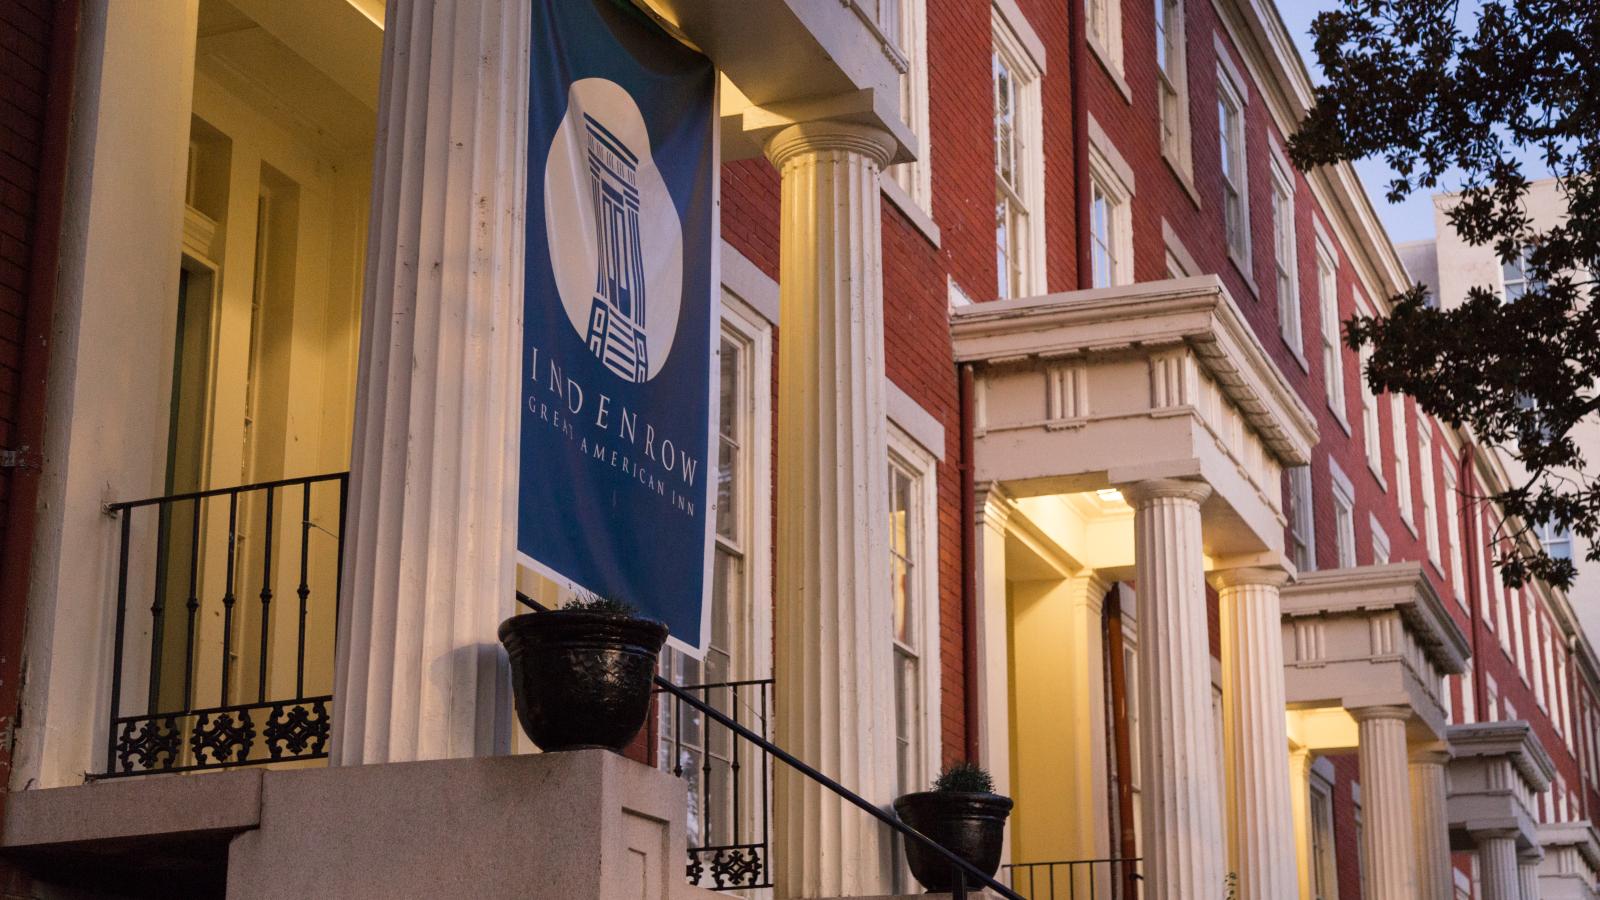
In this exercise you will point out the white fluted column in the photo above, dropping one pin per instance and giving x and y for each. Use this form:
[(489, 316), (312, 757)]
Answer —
[(1256, 737), (1528, 875), (1300, 761), (429, 566), (1497, 865), (833, 659), (1386, 834), (1182, 822), (1431, 833)]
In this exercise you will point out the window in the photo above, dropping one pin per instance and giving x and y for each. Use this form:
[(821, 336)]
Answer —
[(1402, 459), (1452, 524), (1019, 168), (1324, 865), (1104, 20), (1332, 353), (912, 629), (1536, 660), (1491, 691), (1104, 254), (1370, 418), (1520, 646), (1235, 192), (1344, 516), (905, 23), (1283, 255), (1380, 542), (1172, 76), (1302, 527), (1110, 212), (739, 647), (1430, 519), (1514, 275), (1556, 540)]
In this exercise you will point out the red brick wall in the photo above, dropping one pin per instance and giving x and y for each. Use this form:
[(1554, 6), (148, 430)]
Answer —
[(24, 53), (1346, 837)]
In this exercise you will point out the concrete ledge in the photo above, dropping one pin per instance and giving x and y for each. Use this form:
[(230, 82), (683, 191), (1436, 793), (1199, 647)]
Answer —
[(589, 825), (144, 808)]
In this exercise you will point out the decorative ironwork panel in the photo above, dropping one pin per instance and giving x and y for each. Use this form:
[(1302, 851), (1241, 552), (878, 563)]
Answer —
[(231, 660)]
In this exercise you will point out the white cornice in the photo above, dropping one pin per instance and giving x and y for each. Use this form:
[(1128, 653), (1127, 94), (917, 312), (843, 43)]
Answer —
[(1515, 739), (1399, 586), (1196, 311)]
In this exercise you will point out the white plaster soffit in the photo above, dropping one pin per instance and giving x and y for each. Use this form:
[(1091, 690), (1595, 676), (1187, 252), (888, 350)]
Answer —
[(1399, 586), (1197, 312), (1515, 739)]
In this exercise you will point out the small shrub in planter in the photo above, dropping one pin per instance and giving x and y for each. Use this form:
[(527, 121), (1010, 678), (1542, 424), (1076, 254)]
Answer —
[(581, 674), (964, 815)]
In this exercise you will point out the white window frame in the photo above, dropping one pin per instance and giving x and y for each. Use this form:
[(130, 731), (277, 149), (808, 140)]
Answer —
[(1401, 450), (1302, 519), (1232, 103), (911, 458), (1328, 314), (1102, 21), (1371, 420), (1430, 497), (1452, 526), (1111, 181), (1536, 662), (1344, 515), (1027, 118), (1322, 846), (1520, 647), (910, 25), (1172, 85), (1285, 256), (1381, 548)]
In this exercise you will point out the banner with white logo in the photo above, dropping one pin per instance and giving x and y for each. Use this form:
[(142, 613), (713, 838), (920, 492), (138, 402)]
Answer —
[(621, 317)]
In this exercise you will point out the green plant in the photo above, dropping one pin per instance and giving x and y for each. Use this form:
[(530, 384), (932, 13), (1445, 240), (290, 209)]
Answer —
[(965, 777), (602, 604)]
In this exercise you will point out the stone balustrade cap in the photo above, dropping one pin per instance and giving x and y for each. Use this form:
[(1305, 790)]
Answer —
[(1580, 835), (1514, 739), (1197, 312), (1399, 586)]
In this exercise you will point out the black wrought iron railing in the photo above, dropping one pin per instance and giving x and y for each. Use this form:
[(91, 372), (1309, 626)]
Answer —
[(968, 876), (230, 663), (730, 793), (1108, 878)]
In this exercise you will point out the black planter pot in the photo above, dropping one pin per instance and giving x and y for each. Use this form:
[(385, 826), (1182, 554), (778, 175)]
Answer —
[(972, 826), (581, 679)]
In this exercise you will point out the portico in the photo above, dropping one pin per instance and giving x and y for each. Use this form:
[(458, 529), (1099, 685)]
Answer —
[(1135, 434), (1365, 652)]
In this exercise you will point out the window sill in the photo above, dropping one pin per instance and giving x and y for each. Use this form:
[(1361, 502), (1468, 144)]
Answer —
[(908, 205), (1377, 475), (1242, 266), (1343, 422), (1299, 357), (1112, 69), (1184, 176)]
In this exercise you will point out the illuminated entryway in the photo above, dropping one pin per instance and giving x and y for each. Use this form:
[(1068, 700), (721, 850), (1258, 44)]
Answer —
[(1133, 434)]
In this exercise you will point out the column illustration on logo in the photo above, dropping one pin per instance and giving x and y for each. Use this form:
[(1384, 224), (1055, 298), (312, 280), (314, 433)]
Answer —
[(616, 318)]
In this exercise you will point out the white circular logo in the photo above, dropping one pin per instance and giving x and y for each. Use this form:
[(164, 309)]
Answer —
[(616, 244)]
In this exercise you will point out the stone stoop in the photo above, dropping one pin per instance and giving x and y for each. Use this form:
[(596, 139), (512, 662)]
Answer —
[(587, 825)]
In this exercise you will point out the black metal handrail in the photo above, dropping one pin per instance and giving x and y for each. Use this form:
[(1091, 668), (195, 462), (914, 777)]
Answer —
[(197, 565), (735, 854), (1046, 881), (972, 873)]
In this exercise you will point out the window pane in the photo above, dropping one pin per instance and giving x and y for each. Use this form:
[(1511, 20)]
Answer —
[(728, 493)]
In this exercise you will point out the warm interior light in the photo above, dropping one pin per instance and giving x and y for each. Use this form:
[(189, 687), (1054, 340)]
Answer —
[(1109, 495)]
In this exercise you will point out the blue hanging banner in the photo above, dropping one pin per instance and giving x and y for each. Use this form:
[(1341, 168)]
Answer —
[(621, 322)]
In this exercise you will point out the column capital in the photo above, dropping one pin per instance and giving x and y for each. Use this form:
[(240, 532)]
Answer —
[(1373, 713), (824, 135), (1141, 492), (1249, 576)]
